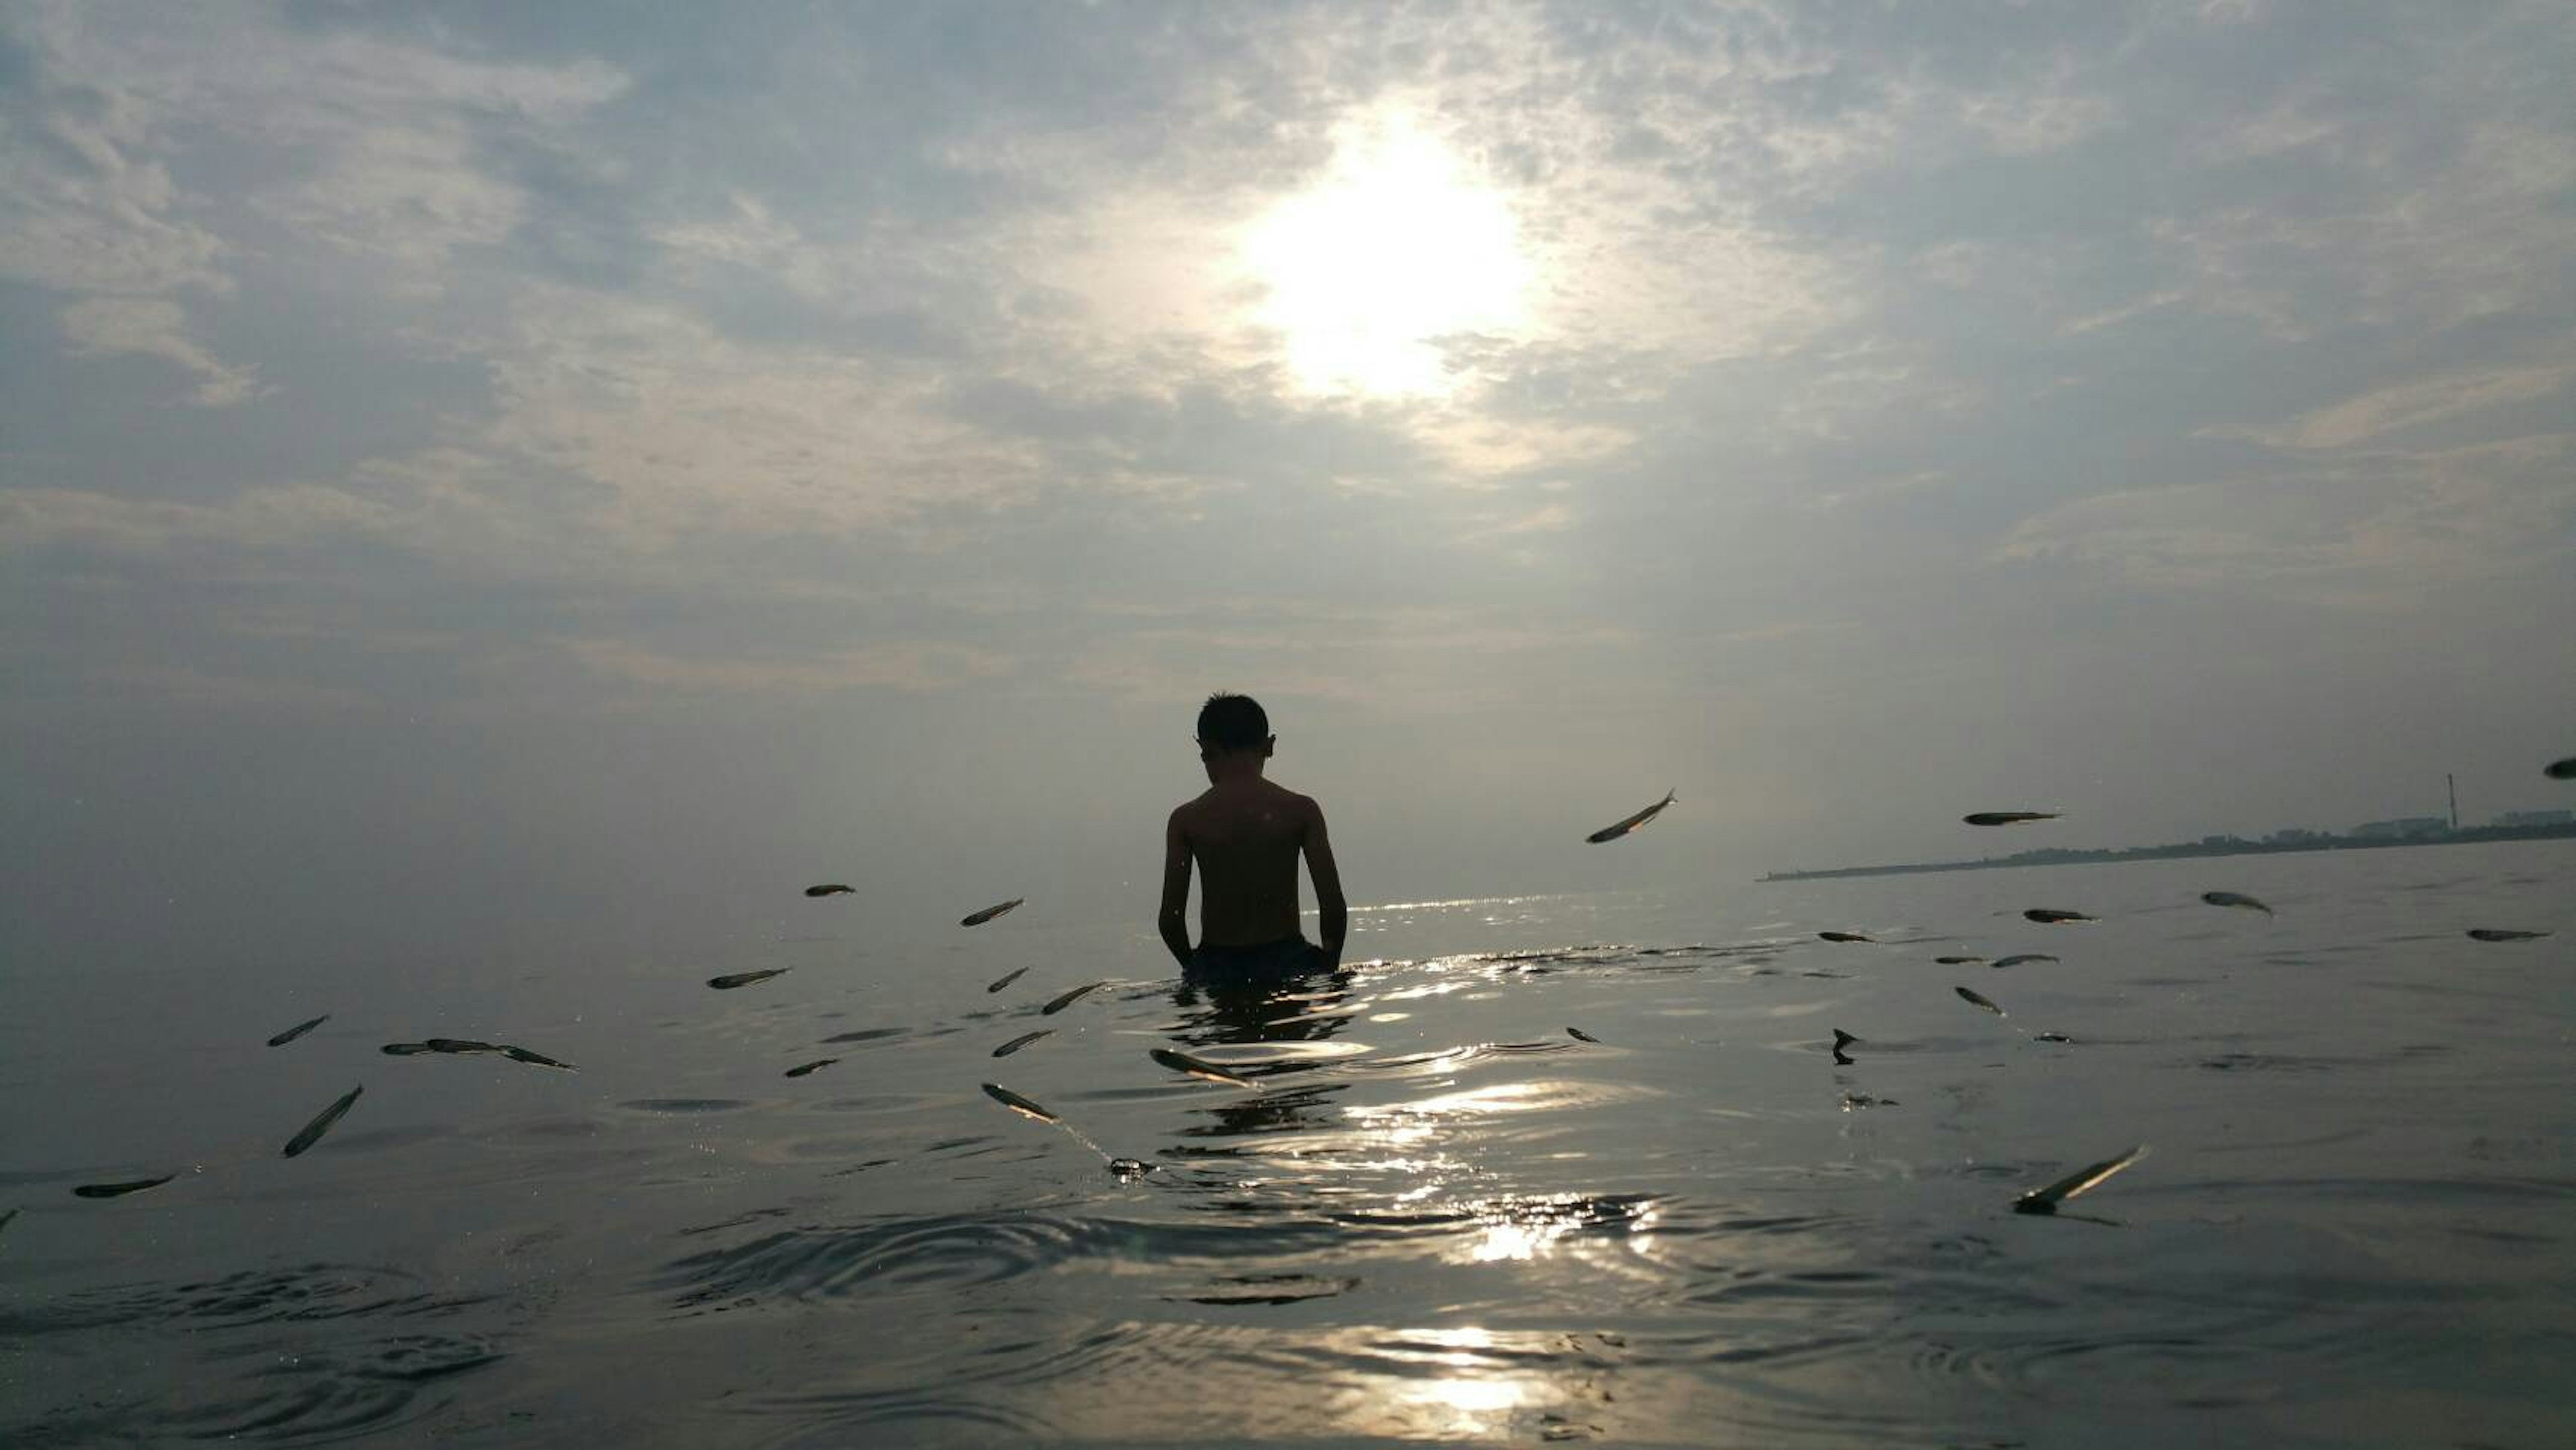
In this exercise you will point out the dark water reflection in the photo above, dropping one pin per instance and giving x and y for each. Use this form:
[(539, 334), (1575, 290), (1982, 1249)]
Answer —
[(1441, 1218)]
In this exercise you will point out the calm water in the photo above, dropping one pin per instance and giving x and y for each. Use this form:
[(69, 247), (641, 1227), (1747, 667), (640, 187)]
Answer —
[(1445, 1220)]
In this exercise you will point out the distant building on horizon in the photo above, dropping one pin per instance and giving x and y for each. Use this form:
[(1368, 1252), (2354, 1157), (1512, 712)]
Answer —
[(2292, 835), (2401, 828), (2536, 818)]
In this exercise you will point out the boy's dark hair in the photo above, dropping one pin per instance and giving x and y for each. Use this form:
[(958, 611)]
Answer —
[(1232, 722)]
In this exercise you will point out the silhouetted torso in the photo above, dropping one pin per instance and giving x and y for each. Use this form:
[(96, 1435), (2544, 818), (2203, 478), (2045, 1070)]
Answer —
[(1243, 837)]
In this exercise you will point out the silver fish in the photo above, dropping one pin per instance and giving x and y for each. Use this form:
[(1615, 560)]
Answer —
[(322, 1122), (1195, 1067), (298, 1030), (988, 913), (831, 888), (2046, 1200), (2236, 899), (2017, 958), (1131, 1169), (1008, 978), (1579, 1035), (2046, 917), (460, 1044), (1958, 961), (534, 1059), (405, 1049), (1023, 1040), (1974, 1000), (1612, 833), (732, 980), (1844, 936), (1069, 998), (119, 1190), (2497, 933), (2006, 818), (803, 1068), (1019, 1104)]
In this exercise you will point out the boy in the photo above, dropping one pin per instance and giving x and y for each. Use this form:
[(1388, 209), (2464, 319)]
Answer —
[(1245, 834)]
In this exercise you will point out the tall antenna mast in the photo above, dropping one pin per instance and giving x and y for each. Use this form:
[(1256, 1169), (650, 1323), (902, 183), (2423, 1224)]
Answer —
[(2453, 782)]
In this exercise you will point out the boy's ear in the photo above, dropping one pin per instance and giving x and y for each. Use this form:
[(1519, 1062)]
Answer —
[(1268, 744)]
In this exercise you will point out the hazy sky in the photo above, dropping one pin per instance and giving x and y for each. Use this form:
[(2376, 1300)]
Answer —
[(469, 467)]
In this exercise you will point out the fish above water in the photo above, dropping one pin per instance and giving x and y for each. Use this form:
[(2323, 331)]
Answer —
[(803, 1068), (1844, 936), (830, 888), (732, 980), (1842, 1040), (2560, 769), (2237, 899), (2050, 1037), (2006, 818), (6, 1217), (1018, 1104), (119, 1190), (1069, 998), (298, 1030), (988, 913), (1023, 1040), (322, 1122), (1612, 833), (1958, 961), (1130, 1169), (1579, 1035), (1975, 1000), (1008, 978), (2046, 1200), (2046, 917), (2017, 958), (460, 1044), (2497, 933), (534, 1059), (1199, 1068)]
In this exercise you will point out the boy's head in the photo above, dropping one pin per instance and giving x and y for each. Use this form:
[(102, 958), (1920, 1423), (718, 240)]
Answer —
[(1233, 728)]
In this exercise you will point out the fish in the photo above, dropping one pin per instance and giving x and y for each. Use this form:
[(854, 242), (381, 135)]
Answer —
[(2497, 933), (1843, 936), (1209, 1071), (298, 1030), (534, 1059), (732, 980), (817, 1065), (2236, 899), (2006, 818), (1023, 1040), (119, 1190), (1612, 833), (1131, 1169), (1008, 978), (1069, 998), (1019, 1104), (1958, 961), (1842, 1040), (1579, 1035), (2050, 1037), (2046, 917), (2046, 1200), (2017, 958), (460, 1044), (405, 1049), (830, 888), (322, 1122), (2560, 769), (1974, 1000), (988, 913), (6, 1217)]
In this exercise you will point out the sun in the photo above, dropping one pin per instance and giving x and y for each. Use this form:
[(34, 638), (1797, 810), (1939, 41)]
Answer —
[(1399, 245)]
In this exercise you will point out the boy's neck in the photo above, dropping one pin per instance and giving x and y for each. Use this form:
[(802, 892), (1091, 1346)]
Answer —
[(1229, 768)]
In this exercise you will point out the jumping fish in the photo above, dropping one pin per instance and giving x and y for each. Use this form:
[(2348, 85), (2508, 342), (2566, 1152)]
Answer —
[(2236, 899), (534, 1059), (1018, 1104), (1974, 1000), (1069, 998), (1023, 1040), (1195, 1067), (2560, 769), (817, 1065), (2496, 933), (2017, 958), (2050, 1037), (829, 888), (2006, 818), (1579, 1035), (1958, 961), (1008, 978), (2046, 917), (298, 1030), (405, 1049), (2046, 1200), (119, 1190), (321, 1124), (988, 913), (1130, 1169), (1842, 1040), (460, 1044), (1844, 936), (6, 1217), (732, 980), (1612, 833)]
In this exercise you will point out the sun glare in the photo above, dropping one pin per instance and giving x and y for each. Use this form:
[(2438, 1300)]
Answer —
[(1396, 247)]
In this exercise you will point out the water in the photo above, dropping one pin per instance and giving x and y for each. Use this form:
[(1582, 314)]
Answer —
[(1445, 1219)]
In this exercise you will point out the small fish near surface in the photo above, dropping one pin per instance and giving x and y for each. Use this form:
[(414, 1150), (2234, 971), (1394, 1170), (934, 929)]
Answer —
[(2497, 933), (731, 980), (1845, 936), (7, 1218), (2560, 769), (2047, 917), (1129, 1170), (1023, 1040), (298, 1030), (535, 1059), (830, 888), (2006, 818), (988, 913), (1842, 1040), (119, 1190), (321, 1124), (1199, 1068), (1069, 998), (1974, 999), (1612, 833), (803, 1069), (2018, 958), (2237, 899), (1008, 978), (1958, 961), (1026, 1107), (1579, 1035), (2046, 1200)]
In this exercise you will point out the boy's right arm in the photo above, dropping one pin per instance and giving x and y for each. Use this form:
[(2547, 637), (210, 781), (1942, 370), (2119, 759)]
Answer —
[(1174, 919)]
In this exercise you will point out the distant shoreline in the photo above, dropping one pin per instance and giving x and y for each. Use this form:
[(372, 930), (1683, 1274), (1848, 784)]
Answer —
[(2052, 856)]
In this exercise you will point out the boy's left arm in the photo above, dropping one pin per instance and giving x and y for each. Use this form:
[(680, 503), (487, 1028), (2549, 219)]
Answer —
[(1332, 913), (1174, 919)]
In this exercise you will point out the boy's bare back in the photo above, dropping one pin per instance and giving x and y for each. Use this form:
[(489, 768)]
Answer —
[(1243, 836)]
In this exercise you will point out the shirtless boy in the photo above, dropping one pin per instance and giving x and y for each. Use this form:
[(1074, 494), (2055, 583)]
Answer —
[(1244, 835)]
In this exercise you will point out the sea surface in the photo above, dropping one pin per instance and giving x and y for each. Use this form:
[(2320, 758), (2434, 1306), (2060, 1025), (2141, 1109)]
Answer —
[(1443, 1219)]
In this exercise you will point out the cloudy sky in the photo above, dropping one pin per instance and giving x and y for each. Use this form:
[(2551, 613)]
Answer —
[(472, 467)]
